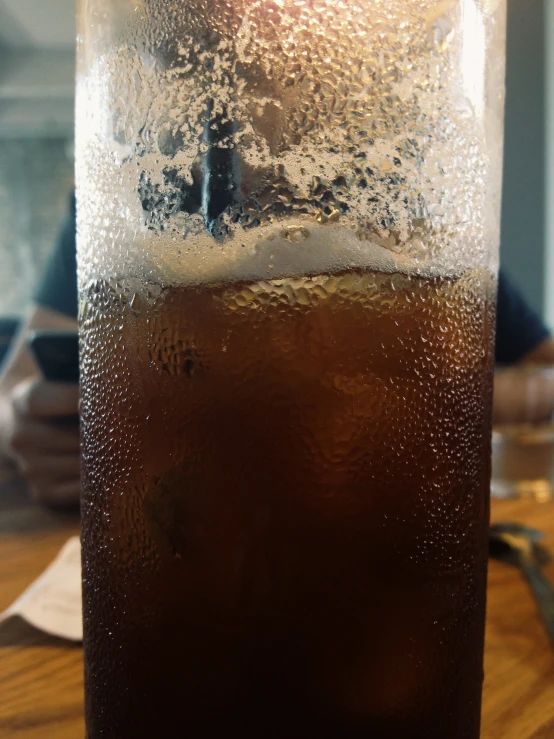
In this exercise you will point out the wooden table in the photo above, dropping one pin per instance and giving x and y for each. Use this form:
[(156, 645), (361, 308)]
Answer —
[(41, 678), (41, 686)]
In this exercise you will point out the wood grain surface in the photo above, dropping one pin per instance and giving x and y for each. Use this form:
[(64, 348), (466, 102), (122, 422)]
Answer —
[(518, 696), (41, 685), (41, 678)]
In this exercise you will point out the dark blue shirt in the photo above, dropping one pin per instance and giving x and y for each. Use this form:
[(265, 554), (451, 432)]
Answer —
[(518, 330)]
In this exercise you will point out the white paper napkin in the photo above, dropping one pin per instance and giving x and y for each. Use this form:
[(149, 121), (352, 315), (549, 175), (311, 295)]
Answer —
[(53, 602)]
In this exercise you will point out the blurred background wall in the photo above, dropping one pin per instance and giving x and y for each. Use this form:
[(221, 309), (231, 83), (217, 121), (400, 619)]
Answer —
[(36, 139), (523, 251), (549, 243)]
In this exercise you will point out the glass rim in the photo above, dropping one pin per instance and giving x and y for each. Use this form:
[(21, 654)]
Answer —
[(526, 370)]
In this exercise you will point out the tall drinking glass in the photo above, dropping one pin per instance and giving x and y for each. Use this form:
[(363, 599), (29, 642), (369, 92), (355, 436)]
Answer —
[(288, 219)]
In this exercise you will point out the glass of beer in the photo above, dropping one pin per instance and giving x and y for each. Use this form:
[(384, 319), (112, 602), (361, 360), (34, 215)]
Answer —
[(288, 222)]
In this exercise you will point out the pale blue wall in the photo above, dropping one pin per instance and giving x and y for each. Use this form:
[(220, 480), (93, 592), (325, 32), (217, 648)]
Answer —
[(549, 297), (524, 201)]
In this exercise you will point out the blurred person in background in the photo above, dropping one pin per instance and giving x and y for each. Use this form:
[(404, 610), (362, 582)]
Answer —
[(38, 427), (38, 424)]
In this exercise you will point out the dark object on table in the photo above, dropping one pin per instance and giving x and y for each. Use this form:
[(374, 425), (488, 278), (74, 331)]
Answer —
[(520, 546)]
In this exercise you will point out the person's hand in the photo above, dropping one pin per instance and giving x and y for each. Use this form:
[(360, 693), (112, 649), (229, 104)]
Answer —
[(43, 438)]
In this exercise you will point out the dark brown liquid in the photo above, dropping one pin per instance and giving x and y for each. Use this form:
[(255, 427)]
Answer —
[(285, 508)]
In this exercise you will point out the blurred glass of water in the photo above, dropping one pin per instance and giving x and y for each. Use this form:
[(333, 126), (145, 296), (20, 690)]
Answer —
[(523, 434)]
